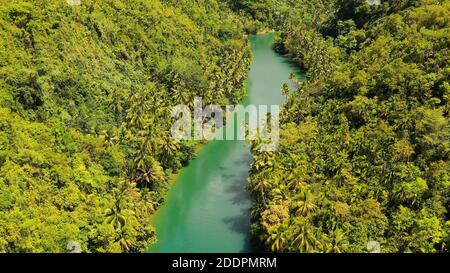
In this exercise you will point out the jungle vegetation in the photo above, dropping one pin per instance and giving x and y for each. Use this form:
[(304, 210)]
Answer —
[(365, 140), (85, 98), (86, 92)]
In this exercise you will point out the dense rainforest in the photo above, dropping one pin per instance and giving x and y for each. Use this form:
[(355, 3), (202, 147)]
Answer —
[(86, 92), (365, 140)]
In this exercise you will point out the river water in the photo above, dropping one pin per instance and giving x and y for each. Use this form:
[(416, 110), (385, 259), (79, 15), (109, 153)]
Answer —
[(208, 207)]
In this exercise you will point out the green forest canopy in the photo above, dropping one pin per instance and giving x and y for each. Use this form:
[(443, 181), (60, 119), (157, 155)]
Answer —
[(85, 91), (365, 140)]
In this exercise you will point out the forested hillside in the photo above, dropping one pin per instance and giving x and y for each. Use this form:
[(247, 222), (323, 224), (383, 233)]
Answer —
[(86, 92), (365, 141), (85, 95)]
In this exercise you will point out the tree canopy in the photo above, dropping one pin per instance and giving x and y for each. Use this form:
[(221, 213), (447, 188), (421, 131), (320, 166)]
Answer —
[(85, 92), (365, 139)]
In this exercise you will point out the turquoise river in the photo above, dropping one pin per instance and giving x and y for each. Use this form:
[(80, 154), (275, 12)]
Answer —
[(207, 208)]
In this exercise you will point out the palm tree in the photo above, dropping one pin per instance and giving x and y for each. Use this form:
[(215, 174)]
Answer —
[(256, 209), (278, 194), (285, 90), (338, 242), (305, 204), (277, 239), (109, 138), (135, 118), (116, 106), (124, 242), (170, 146), (150, 203), (262, 161), (115, 217), (180, 94), (261, 186), (304, 237), (149, 172), (295, 185)]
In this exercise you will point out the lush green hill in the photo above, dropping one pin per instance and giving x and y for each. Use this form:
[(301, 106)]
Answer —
[(365, 143), (85, 92)]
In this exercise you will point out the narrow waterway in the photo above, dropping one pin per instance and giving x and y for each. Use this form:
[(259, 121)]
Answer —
[(207, 208)]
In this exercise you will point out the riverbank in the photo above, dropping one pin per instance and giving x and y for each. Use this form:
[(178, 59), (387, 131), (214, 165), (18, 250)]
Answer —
[(208, 207)]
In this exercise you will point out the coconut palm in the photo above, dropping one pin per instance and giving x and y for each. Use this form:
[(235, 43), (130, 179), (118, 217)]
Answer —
[(305, 237), (261, 186), (304, 203), (170, 146), (115, 217), (124, 242), (338, 242), (277, 239), (148, 172)]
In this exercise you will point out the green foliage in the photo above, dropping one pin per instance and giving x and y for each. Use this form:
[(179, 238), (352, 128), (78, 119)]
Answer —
[(269, 12), (85, 92), (365, 140)]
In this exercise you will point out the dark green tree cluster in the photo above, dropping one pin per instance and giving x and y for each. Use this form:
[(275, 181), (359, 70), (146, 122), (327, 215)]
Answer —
[(365, 140), (85, 98), (263, 13)]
